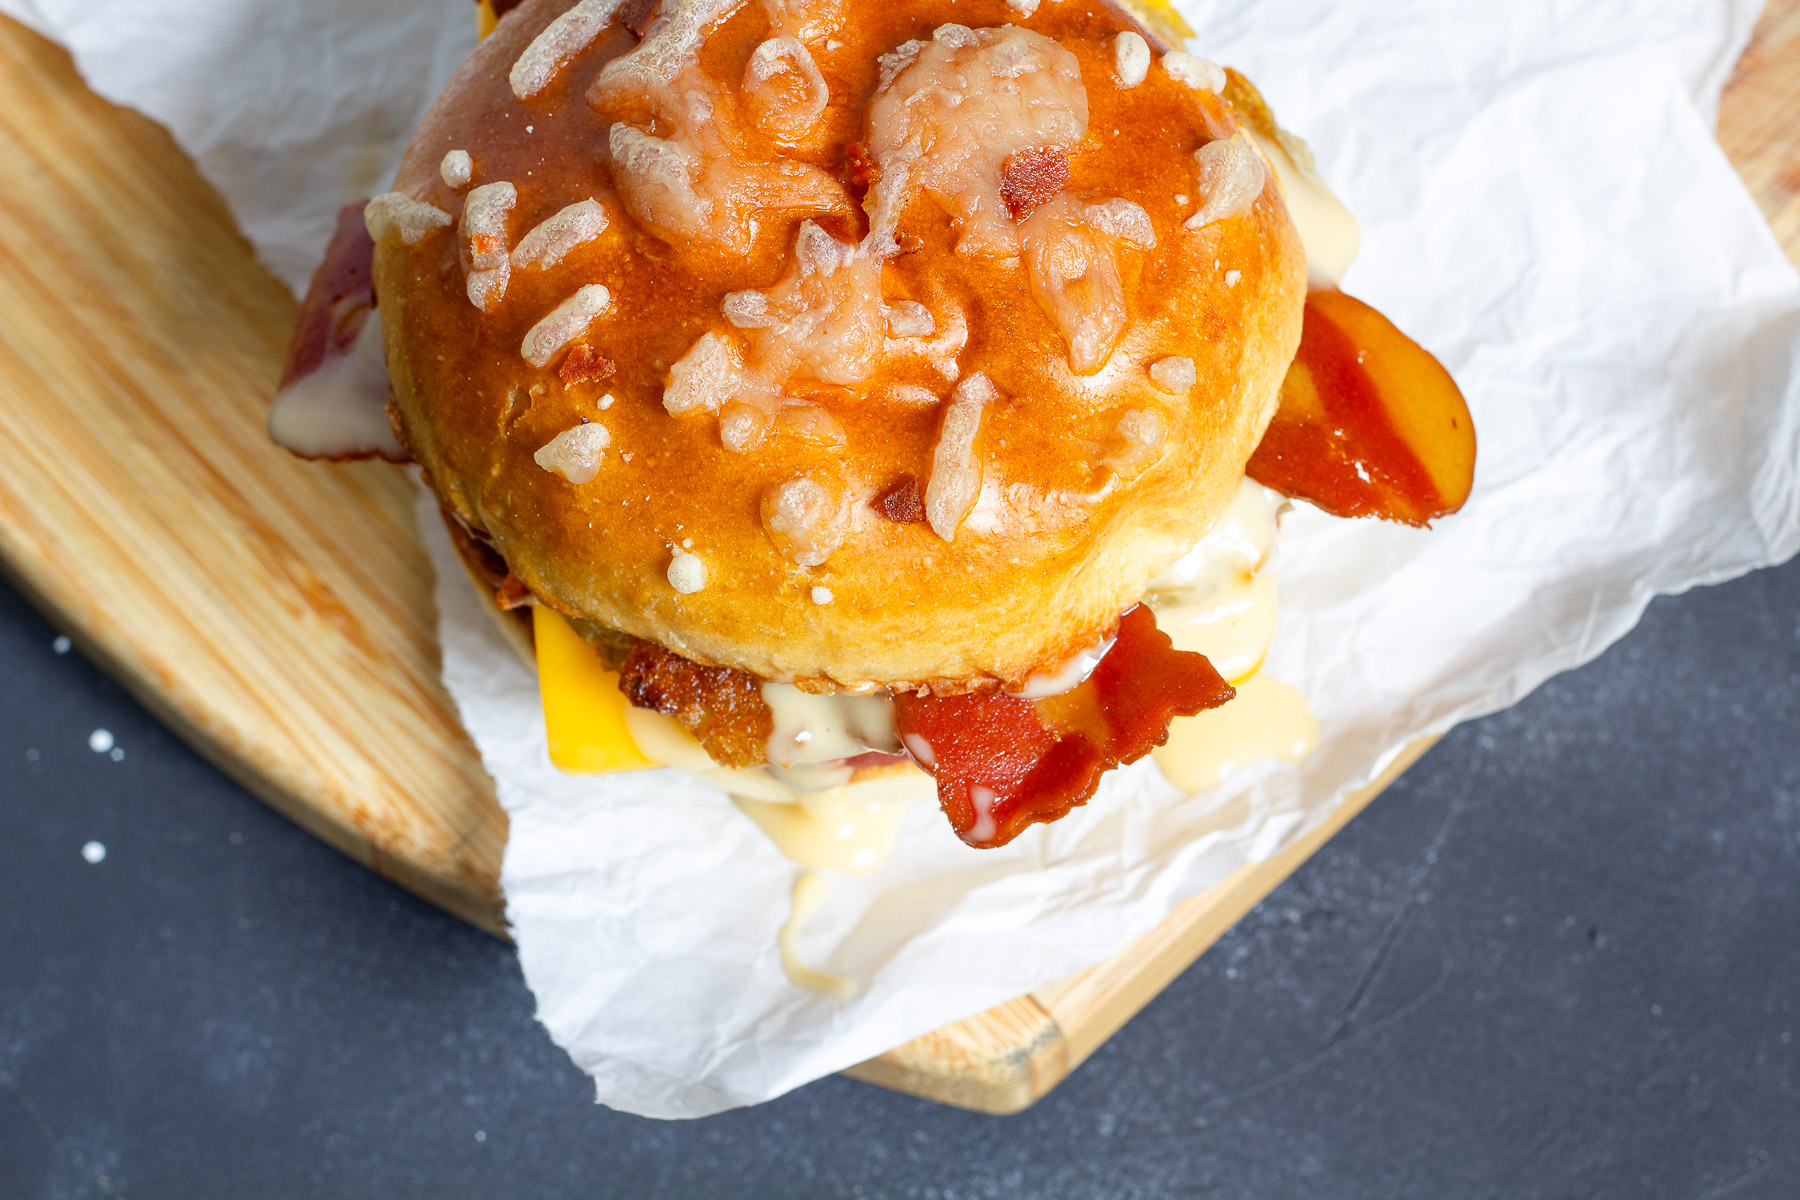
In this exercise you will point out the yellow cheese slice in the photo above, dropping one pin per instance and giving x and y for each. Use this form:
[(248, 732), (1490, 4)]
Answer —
[(485, 20), (584, 710)]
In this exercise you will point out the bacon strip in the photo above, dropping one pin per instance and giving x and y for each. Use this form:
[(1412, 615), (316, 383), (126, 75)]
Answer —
[(1003, 762), (337, 300), (1033, 177), (861, 171), (583, 365), (637, 15), (901, 502), (1335, 441)]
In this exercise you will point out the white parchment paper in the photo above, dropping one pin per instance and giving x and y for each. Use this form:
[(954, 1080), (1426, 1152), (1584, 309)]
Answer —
[(1543, 206)]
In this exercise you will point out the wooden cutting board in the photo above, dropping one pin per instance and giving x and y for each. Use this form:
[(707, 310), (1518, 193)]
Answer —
[(278, 614)]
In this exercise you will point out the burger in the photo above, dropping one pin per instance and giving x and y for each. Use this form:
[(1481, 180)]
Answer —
[(838, 399)]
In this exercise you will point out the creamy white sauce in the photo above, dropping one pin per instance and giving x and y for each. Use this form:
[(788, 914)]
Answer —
[(983, 800), (1067, 677), (664, 740), (1327, 230), (339, 410), (1267, 719), (809, 894), (810, 728), (793, 803), (1219, 600), (850, 830), (1232, 624), (1237, 545)]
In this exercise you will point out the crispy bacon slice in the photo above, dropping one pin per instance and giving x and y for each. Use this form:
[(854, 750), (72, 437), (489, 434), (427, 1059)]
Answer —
[(1003, 762), (583, 365), (637, 15), (512, 593), (721, 707), (337, 300), (901, 502), (1370, 424), (861, 171), (1033, 177)]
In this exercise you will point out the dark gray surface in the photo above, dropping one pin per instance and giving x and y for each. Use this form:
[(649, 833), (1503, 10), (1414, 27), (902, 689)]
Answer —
[(1561, 957)]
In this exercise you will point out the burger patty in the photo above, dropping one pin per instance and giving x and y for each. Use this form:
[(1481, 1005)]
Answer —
[(723, 708)]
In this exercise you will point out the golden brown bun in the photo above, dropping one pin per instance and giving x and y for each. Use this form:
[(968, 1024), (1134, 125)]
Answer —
[(1035, 574)]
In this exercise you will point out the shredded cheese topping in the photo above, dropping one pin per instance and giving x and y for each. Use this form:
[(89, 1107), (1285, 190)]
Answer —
[(807, 518), (687, 574), (955, 481), (456, 169), (482, 239), (950, 112), (398, 213), (1131, 58), (558, 44), (1231, 177), (565, 323), (1199, 73), (1174, 375), (553, 238), (575, 454)]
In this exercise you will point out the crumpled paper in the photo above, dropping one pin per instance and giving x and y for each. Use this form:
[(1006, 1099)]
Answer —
[(1543, 206), (291, 110)]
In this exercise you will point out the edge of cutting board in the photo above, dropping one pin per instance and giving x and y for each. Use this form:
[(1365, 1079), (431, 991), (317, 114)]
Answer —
[(278, 615)]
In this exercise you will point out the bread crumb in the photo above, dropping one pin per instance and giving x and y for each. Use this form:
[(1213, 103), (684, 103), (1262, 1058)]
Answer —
[(687, 574), (574, 454), (396, 212), (821, 595), (1174, 375), (1131, 59), (457, 169), (1196, 72)]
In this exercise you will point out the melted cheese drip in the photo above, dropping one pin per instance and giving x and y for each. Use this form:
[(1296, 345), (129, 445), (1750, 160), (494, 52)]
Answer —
[(1327, 230), (1069, 676), (850, 830), (809, 894), (1268, 719), (1232, 625), (1220, 601), (809, 808), (811, 728), (340, 409)]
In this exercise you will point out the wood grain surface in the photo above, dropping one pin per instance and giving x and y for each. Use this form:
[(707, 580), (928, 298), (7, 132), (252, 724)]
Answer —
[(278, 614)]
